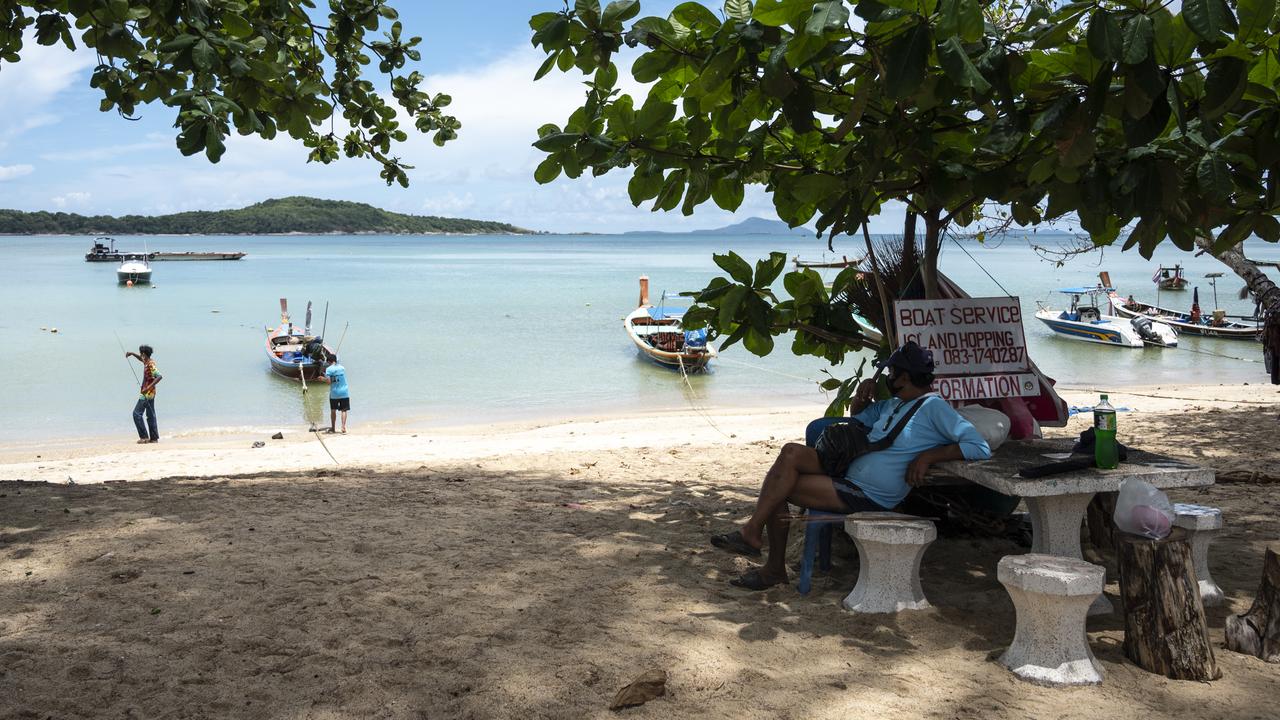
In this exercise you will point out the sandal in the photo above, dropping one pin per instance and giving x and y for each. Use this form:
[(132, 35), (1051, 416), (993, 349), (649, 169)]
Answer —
[(734, 543), (755, 582)]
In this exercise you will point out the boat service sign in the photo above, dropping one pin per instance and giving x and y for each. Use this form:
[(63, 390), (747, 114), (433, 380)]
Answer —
[(978, 346)]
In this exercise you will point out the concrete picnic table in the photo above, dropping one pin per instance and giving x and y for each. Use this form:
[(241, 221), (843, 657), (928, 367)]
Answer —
[(1058, 502)]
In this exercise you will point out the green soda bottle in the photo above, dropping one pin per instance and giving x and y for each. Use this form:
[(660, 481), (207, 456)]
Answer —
[(1105, 454)]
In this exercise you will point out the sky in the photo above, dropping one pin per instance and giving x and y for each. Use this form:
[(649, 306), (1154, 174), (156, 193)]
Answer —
[(58, 152)]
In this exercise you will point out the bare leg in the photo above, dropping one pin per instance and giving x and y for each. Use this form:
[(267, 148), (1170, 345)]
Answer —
[(344, 421), (333, 420), (793, 461), (809, 491)]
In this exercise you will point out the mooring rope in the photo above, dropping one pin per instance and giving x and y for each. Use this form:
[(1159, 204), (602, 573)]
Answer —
[(684, 375)]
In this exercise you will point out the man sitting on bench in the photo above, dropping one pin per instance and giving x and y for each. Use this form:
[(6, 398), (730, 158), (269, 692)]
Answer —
[(876, 481)]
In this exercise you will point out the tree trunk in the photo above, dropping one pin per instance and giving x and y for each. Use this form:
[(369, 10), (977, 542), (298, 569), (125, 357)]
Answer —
[(1164, 623), (1264, 291), (932, 245), (1257, 632), (1099, 519)]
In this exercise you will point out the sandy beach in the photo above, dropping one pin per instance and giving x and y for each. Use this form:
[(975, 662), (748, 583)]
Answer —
[(532, 570)]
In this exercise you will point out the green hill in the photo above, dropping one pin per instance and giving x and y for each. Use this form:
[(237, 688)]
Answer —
[(301, 215)]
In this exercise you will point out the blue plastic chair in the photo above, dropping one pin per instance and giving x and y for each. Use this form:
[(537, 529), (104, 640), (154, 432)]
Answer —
[(820, 524)]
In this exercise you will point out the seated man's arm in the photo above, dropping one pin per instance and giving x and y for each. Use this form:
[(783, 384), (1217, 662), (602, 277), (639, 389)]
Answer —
[(968, 443)]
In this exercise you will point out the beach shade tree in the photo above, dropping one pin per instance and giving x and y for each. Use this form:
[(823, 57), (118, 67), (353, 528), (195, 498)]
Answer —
[(254, 68), (1138, 122)]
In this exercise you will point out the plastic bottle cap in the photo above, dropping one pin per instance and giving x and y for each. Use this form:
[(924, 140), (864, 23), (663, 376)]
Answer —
[(1104, 397)]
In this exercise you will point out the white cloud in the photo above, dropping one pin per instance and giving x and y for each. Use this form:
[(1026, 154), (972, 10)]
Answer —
[(10, 172), (27, 88), (71, 198)]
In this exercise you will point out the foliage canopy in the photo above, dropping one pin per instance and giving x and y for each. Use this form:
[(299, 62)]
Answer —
[(1119, 112), (258, 66)]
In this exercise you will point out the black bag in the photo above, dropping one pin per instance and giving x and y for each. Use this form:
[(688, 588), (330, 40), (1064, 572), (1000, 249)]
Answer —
[(842, 443)]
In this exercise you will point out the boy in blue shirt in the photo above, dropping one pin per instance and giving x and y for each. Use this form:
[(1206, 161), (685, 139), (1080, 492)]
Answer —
[(339, 394), (876, 481)]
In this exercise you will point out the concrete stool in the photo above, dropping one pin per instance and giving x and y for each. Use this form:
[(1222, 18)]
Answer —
[(1051, 595), (1202, 524), (890, 546)]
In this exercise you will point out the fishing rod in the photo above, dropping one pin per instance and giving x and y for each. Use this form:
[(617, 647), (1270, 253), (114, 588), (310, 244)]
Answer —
[(325, 324), (340, 339), (126, 356)]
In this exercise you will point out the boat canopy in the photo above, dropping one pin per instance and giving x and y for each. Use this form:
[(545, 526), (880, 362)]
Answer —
[(665, 312), (1086, 290)]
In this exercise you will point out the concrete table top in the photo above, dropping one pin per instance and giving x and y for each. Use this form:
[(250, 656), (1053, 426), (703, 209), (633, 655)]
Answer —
[(1000, 473)]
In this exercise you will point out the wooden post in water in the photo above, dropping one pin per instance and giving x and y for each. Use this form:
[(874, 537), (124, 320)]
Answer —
[(1165, 631)]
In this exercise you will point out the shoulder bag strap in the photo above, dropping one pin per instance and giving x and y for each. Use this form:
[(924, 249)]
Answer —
[(888, 440)]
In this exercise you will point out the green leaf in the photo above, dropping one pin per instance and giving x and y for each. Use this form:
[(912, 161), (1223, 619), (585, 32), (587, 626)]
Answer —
[(827, 15), (768, 270), (955, 62), (730, 304), (777, 13), (727, 193), (547, 171), (738, 9), (1228, 78), (620, 11), (1214, 176), (654, 116), (1255, 16), (236, 25), (759, 343), (644, 186), (1139, 32), (733, 264), (557, 141), (1106, 41), (203, 56), (908, 56), (547, 64), (1267, 228), (1210, 19)]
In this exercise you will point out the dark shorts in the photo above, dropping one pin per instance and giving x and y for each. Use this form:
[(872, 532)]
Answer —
[(853, 498), (340, 403)]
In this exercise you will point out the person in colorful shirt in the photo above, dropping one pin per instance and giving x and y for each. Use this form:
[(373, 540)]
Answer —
[(339, 394), (146, 404)]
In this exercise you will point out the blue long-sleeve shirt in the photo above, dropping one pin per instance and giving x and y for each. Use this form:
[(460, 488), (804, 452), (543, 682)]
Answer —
[(882, 475)]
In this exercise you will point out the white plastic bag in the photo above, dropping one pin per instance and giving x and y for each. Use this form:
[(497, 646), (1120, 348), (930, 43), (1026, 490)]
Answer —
[(1143, 510), (992, 425)]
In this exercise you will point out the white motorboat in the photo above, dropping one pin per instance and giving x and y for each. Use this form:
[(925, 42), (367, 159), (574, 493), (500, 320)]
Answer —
[(1085, 321), (134, 269)]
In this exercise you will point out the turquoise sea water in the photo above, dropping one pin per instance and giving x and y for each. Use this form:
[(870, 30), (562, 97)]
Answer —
[(461, 330)]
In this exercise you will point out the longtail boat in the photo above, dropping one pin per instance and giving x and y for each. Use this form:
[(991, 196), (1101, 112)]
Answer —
[(1215, 325), (294, 352), (659, 336)]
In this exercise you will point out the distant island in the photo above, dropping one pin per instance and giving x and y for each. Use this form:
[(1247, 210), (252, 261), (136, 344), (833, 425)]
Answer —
[(283, 216), (750, 226)]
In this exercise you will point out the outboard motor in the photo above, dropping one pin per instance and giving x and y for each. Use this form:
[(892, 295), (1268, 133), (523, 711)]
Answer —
[(1145, 331), (315, 350)]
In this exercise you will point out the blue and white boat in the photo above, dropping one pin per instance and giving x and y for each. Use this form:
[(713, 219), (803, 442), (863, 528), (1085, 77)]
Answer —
[(659, 336), (1085, 321)]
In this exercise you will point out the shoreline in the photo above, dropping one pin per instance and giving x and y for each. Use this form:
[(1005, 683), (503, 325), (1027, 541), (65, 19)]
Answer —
[(408, 443)]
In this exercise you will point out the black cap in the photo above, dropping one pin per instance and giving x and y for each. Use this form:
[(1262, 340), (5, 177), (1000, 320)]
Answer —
[(910, 357)]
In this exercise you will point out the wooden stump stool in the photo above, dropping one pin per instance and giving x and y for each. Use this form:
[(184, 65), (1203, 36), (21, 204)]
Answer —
[(1202, 524), (890, 546), (1164, 623), (1051, 595)]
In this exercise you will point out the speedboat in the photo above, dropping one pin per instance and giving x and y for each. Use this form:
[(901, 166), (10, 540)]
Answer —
[(134, 268), (659, 335), (1084, 321)]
